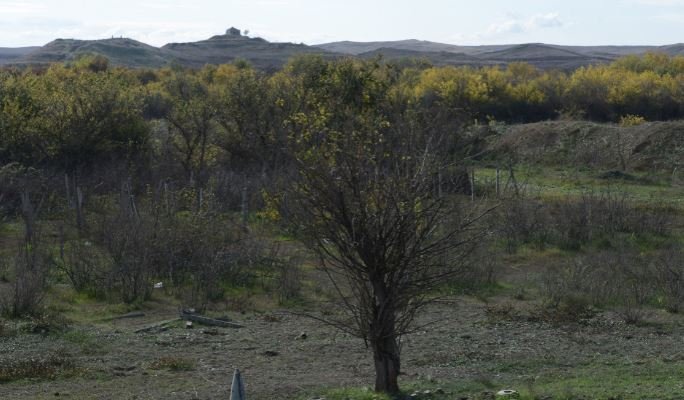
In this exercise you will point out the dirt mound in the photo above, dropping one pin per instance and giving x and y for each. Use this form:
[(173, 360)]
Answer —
[(651, 146)]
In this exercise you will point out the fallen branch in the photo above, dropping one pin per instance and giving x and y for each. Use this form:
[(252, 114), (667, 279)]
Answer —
[(156, 326), (135, 314), (208, 321)]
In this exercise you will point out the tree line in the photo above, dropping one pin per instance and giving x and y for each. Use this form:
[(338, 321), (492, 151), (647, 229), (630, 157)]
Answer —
[(66, 117)]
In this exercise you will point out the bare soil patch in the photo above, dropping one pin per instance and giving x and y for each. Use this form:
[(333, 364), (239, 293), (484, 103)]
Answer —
[(468, 340)]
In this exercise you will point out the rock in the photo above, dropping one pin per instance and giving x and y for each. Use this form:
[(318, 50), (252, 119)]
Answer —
[(270, 353), (188, 324), (302, 336), (507, 394)]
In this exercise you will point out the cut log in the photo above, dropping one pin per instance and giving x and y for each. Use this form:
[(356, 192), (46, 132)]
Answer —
[(208, 321), (135, 314)]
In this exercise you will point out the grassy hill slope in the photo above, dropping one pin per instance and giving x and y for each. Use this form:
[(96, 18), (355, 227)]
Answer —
[(10, 55), (652, 146), (223, 49), (120, 51)]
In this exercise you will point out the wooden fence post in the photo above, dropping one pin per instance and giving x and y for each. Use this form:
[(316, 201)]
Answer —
[(498, 173), (472, 185)]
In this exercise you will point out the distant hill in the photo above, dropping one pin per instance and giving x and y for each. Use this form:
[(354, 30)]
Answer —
[(545, 56), (440, 58), (11, 55), (356, 48), (267, 55), (226, 48), (673, 49), (126, 52)]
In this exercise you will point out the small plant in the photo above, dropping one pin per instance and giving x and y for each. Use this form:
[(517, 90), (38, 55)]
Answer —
[(44, 367), (504, 311), (570, 309), (173, 364), (289, 281)]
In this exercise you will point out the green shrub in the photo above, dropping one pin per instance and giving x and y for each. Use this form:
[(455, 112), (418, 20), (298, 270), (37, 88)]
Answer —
[(632, 120)]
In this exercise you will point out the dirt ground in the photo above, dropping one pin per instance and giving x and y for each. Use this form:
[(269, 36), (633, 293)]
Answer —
[(491, 343)]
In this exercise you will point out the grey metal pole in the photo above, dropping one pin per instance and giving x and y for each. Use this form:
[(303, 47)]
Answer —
[(237, 389)]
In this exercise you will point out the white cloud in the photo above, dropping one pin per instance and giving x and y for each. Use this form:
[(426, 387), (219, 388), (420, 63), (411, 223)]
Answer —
[(23, 8), (659, 2), (39, 31), (516, 25), (502, 31), (160, 5), (675, 18)]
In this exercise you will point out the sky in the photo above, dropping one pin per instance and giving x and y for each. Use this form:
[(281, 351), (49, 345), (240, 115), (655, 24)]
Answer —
[(157, 22)]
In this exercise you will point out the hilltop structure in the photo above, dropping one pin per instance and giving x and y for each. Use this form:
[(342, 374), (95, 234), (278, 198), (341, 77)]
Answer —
[(233, 32)]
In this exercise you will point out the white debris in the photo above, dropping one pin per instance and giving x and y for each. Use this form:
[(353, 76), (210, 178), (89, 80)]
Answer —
[(507, 394)]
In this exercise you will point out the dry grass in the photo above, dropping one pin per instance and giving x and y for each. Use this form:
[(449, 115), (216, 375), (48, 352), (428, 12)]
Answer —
[(173, 364), (48, 367)]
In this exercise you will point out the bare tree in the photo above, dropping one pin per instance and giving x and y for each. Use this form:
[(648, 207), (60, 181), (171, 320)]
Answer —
[(30, 270), (367, 204)]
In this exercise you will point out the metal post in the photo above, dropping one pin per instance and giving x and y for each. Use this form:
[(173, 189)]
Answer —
[(237, 389)]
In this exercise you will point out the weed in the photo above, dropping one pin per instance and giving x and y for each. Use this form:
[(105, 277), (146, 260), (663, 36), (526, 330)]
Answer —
[(48, 367), (173, 364)]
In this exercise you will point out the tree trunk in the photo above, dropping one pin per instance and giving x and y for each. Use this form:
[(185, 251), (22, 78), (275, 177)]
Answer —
[(387, 364)]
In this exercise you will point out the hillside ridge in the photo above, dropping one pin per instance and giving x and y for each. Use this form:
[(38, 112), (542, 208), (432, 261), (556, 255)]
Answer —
[(234, 45)]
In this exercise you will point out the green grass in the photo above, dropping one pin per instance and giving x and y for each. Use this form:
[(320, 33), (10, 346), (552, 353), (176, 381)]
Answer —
[(619, 380), (479, 290), (552, 184), (608, 380), (86, 341)]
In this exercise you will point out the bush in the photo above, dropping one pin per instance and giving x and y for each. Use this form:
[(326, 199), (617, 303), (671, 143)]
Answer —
[(24, 296), (632, 120), (84, 264), (669, 268), (573, 222), (620, 279), (525, 221)]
